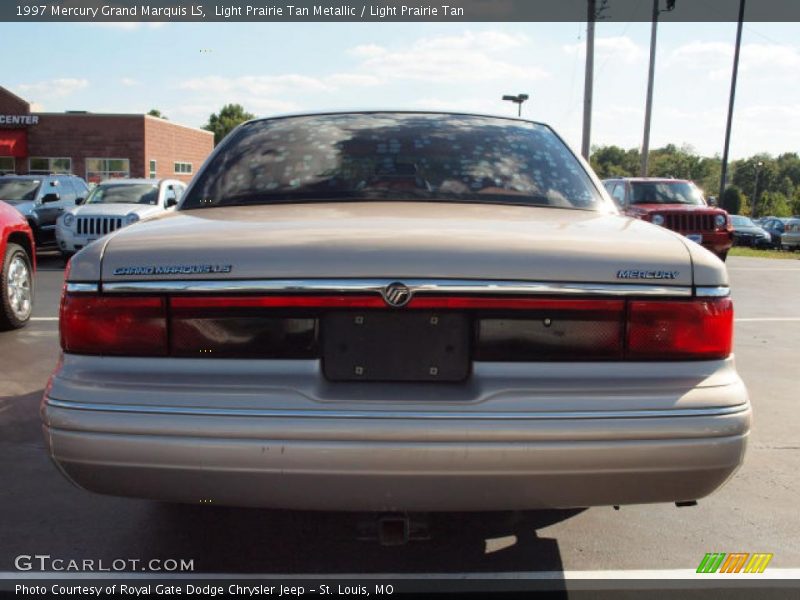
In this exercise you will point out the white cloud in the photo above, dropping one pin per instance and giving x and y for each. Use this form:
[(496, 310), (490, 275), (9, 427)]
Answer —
[(755, 60), (469, 105), (466, 58), (347, 80), (469, 58), (128, 82), (367, 51), (619, 48), (256, 85), (263, 94), (53, 88)]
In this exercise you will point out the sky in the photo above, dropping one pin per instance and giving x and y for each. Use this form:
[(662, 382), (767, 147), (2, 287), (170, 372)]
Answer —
[(189, 70)]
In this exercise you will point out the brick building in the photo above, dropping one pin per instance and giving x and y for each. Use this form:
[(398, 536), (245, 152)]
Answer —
[(97, 146)]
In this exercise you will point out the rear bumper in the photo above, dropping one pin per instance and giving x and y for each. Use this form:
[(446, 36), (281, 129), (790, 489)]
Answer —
[(433, 456)]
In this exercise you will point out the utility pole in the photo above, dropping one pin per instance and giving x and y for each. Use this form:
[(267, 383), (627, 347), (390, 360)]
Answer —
[(591, 16), (723, 179), (648, 109)]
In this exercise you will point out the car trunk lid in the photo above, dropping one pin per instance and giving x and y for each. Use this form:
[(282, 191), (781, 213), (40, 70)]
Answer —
[(397, 240)]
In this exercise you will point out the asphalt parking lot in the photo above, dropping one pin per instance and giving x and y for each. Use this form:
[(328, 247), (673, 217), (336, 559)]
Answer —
[(40, 512)]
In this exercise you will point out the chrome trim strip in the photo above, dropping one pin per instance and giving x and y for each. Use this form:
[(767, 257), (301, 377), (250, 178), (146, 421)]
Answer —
[(417, 286), (720, 291), (387, 414), (78, 288)]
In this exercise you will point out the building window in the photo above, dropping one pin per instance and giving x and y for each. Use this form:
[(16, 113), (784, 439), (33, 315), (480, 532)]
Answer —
[(152, 169), (183, 168), (6, 165), (44, 165), (100, 169)]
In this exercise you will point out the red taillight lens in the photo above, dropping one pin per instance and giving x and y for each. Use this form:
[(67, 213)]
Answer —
[(675, 330), (108, 325), (534, 329)]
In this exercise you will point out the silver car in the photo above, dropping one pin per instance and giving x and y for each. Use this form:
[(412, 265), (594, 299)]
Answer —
[(114, 204), (790, 238), (397, 311)]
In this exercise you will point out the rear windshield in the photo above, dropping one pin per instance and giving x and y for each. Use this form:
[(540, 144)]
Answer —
[(666, 192), (144, 193), (393, 156), (18, 189)]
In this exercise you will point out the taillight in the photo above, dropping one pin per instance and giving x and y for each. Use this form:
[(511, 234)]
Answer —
[(506, 328), (110, 325), (680, 329)]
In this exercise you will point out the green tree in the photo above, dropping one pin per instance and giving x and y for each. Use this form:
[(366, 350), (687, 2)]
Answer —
[(744, 176), (154, 112), (228, 118), (613, 161), (794, 205), (732, 200), (774, 204)]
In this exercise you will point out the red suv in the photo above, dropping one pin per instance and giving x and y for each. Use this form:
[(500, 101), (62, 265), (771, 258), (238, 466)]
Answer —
[(676, 204)]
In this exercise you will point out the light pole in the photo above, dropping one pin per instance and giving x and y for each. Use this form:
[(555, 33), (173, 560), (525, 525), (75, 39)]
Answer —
[(754, 211), (518, 100), (648, 109)]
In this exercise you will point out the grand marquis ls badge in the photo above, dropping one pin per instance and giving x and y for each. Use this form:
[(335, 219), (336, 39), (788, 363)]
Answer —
[(173, 270), (396, 294)]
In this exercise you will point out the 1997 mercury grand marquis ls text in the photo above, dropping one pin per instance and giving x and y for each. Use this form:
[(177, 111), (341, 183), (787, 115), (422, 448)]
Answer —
[(397, 311)]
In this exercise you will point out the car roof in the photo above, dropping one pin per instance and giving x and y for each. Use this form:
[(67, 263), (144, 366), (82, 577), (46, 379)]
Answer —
[(394, 112), (648, 179)]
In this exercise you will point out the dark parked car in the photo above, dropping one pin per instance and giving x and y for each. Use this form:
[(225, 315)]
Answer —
[(41, 199), (775, 227), (747, 233), (676, 204), (17, 264)]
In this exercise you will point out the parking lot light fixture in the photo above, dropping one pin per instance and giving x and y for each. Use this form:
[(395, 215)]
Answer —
[(518, 100)]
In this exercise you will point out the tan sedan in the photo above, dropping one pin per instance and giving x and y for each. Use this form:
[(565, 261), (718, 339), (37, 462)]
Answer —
[(397, 311)]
